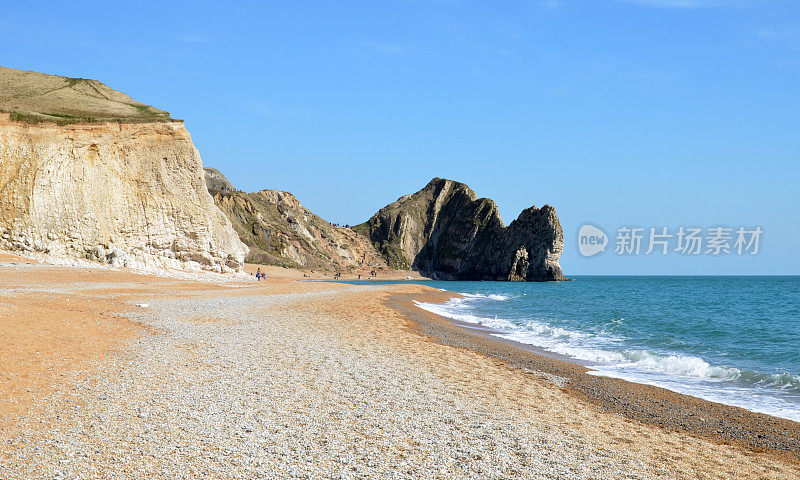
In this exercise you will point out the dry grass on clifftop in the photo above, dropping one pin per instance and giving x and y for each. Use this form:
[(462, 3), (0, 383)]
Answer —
[(36, 97)]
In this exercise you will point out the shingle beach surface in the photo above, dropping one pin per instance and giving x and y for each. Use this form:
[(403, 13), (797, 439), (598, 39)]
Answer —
[(316, 385)]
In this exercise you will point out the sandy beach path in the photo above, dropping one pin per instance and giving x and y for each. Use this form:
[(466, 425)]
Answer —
[(308, 380)]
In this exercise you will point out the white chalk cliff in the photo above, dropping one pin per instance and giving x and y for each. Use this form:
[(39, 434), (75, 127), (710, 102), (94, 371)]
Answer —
[(128, 192)]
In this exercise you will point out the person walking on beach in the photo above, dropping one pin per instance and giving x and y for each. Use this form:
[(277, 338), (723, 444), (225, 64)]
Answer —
[(258, 274)]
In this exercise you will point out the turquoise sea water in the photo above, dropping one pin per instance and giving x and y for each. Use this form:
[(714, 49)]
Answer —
[(733, 340)]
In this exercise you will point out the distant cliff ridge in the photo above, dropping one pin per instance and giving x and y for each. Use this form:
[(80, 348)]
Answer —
[(128, 190), (444, 231), (280, 231)]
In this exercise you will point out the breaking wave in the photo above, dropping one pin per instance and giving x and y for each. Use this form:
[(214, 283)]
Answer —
[(608, 355)]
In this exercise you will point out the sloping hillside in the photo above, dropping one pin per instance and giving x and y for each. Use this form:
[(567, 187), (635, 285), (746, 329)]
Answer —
[(33, 97), (280, 231)]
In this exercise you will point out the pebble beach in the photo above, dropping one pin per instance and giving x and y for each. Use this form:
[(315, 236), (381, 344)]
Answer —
[(294, 379)]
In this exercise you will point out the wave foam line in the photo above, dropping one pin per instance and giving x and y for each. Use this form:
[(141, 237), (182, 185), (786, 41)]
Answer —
[(686, 374)]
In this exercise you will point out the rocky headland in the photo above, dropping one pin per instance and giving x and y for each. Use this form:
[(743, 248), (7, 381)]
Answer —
[(445, 232)]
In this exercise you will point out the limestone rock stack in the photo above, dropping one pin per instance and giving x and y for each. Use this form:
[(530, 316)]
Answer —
[(444, 231)]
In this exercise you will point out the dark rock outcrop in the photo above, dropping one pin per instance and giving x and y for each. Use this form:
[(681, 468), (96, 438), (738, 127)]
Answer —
[(444, 231)]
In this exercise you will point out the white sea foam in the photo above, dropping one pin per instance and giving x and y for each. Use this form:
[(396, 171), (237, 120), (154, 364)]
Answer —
[(492, 296), (587, 348), (680, 365), (607, 356), (579, 345), (727, 393), (457, 309)]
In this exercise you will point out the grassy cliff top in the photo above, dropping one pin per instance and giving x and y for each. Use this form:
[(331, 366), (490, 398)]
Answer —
[(35, 97)]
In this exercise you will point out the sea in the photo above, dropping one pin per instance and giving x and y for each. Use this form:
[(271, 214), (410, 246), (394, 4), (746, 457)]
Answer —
[(731, 340)]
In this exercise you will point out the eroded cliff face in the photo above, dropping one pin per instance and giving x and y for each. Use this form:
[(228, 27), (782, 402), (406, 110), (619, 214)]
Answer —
[(130, 194), (280, 231), (444, 231)]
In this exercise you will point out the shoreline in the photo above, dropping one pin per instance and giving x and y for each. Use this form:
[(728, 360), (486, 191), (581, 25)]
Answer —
[(647, 404)]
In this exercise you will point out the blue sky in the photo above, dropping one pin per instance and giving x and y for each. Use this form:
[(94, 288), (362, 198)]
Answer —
[(639, 112)]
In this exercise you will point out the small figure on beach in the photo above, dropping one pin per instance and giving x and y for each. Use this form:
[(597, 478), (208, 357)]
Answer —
[(259, 275)]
